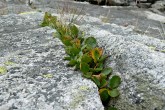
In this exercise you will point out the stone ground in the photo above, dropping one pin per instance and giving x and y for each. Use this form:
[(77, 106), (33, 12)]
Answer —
[(141, 19), (35, 75), (133, 37)]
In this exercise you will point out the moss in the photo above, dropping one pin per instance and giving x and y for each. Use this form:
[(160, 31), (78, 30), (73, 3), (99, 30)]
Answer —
[(9, 63), (47, 76)]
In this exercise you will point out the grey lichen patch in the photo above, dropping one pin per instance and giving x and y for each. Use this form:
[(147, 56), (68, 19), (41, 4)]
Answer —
[(84, 88), (152, 102), (149, 102), (3, 69), (151, 99), (78, 97)]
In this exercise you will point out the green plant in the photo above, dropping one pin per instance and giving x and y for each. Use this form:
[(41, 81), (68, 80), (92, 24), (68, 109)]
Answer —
[(85, 55)]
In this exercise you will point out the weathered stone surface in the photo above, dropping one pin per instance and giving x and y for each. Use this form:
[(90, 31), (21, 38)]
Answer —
[(117, 2), (136, 56), (37, 77), (13, 6), (143, 21), (107, 2), (138, 61), (159, 5), (2, 5)]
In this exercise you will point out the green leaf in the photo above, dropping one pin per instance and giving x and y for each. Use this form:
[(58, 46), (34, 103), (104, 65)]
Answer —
[(81, 39), (72, 63), (72, 50), (114, 82), (86, 58), (67, 58), (114, 93), (87, 75), (83, 47), (91, 42), (67, 42), (49, 20), (74, 30), (75, 50), (102, 58), (61, 29), (103, 83), (45, 20), (106, 71), (77, 66), (77, 42), (95, 69), (100, 65), (67, 50), (112, 108), (104, 94), (96, 54), (96, 81), (84, 67)]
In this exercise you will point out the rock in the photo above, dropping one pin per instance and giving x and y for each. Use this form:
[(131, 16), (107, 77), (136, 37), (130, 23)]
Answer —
[(107, 2), (37, 77), (117, 2), (144, 5), (95, 1), (138, 57), (2, 5), (139, 60), (159, 5), (13, 6)]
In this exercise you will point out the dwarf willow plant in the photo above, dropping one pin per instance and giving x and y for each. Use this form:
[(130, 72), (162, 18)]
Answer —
[(85, 55)]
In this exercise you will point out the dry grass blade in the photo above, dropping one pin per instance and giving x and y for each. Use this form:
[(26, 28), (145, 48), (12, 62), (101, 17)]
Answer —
[(75, 13)]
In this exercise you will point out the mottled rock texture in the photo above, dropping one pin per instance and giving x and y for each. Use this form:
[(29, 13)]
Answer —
[(138, 59), (37, 77), (159, 5), (107, 2), (36, 73)]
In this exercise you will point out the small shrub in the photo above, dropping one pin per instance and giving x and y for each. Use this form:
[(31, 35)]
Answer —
[(85, 55)]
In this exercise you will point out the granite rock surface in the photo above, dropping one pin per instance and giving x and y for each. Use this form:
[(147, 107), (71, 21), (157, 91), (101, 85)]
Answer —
[(138, 59), (33, 74)]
